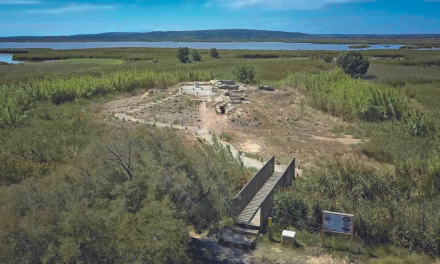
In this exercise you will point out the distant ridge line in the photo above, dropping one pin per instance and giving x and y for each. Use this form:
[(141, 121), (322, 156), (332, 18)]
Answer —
[(209, 35)]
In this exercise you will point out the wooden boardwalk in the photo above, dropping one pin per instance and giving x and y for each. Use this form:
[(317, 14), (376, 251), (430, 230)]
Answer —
[(250, 216)]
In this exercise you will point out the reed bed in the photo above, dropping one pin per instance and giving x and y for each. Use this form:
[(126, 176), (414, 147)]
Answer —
[(353, 99), (400, 75), (17, 99)]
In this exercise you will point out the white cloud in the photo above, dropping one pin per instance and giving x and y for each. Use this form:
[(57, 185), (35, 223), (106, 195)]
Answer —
[(278, 4), (72, 8), (19, 2)]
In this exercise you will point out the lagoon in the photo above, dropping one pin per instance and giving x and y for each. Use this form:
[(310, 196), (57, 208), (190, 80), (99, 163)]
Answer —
[(196, 45)]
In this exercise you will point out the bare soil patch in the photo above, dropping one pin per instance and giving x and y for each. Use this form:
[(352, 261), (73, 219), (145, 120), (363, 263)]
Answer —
[(180, 110), (279, 124)]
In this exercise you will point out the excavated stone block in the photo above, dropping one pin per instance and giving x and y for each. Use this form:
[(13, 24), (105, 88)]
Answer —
[(266, 88), (228, 87), (229, 82)]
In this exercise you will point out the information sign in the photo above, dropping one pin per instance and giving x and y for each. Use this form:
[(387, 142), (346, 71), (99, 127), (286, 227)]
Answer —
[(337, 222)]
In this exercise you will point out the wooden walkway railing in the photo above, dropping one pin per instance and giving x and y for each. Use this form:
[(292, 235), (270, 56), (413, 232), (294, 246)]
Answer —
[(248, 192), (266, 205)]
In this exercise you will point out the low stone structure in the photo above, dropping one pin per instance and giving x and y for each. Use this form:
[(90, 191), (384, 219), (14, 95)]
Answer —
[(265, 88), (228, 82), (228, 87)]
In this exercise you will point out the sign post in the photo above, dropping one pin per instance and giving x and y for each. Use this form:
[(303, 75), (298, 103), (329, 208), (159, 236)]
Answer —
[(338, 223)]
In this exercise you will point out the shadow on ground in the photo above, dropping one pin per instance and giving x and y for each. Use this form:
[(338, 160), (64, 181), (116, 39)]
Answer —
[(208, 251)]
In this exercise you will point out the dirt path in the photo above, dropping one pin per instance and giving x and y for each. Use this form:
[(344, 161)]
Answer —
[(207, 251)]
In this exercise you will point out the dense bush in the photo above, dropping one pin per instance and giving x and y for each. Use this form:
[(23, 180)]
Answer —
[(196, 55), (214, 53), (353, 63), (328, 58), (51, 135), (182, 54), (244, 73), (337, 93), (128, 199), (387, 209)]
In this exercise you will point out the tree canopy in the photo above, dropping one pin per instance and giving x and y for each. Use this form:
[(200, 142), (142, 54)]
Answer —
[(353, 63)]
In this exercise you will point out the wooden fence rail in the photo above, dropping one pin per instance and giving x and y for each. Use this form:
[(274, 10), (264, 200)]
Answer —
[(283, 182), (248, 192)]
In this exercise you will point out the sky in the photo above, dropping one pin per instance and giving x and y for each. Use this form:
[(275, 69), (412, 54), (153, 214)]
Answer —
[(49, 17)]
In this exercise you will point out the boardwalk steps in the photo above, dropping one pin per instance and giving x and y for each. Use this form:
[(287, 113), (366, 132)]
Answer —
[(254, 204)]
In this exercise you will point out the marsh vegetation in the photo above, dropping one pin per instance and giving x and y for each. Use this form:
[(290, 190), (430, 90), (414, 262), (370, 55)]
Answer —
[(74, 186)]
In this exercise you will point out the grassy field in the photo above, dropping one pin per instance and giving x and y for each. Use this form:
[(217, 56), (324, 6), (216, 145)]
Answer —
[(58, 167), (160, 59)]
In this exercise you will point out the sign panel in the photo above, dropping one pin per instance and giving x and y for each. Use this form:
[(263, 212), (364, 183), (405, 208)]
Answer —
[(337, 222)]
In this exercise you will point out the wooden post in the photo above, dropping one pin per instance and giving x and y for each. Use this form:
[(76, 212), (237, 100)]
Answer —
[(269, 226), (351, 244), (322, 231)]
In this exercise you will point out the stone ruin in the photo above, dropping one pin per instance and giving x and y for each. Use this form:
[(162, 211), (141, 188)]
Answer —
[(225, 85), (233, 94), (266, 88)]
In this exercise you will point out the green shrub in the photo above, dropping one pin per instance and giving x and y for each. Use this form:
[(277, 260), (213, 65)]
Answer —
[(225, 136), (353, 63), (328, 58), (91, 211), (15, 102), (214, 53), (182, 54), (244, 73), (196, 55)]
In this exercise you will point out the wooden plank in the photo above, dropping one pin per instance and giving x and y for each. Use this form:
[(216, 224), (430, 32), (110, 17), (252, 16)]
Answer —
[(250, 215)]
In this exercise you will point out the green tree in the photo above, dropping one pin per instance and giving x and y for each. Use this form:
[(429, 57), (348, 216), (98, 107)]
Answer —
[(244, 73), (182, 54), (328, 58), (196, 55), (214, 53), (353, 63)]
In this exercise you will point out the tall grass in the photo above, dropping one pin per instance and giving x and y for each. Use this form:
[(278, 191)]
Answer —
[(16, 99), (387, 209), (399, 75), (335, 92)]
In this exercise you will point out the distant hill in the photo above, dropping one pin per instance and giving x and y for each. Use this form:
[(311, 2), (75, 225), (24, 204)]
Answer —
[(208, 35)]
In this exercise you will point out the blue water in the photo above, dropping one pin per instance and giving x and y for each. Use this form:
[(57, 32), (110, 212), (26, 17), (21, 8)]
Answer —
[(197, 45), (169, 44), (8, 58)]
